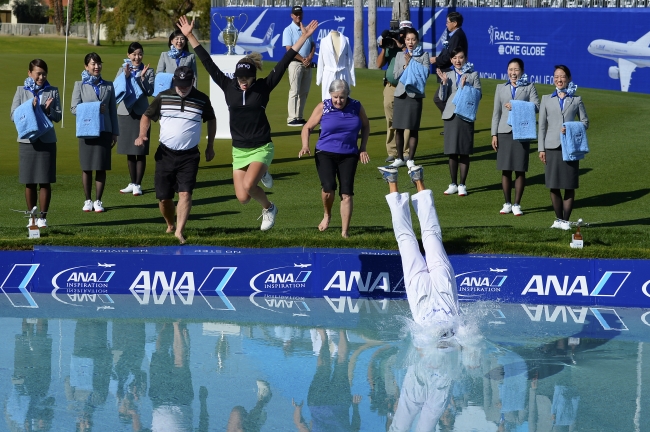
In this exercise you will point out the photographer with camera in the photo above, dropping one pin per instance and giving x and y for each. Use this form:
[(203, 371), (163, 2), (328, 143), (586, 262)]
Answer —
[(391, 42)]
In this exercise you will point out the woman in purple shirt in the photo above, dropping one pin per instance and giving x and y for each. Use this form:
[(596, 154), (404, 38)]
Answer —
[(337, 154)]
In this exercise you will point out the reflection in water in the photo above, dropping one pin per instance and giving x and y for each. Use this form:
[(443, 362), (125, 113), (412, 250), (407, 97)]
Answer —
[(182, 376)]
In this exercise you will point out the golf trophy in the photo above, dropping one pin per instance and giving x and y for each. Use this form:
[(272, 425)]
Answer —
[(576, 239), (230, 32)]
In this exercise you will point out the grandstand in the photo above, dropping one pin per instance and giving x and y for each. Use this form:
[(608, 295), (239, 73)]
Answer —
[(443, 3)]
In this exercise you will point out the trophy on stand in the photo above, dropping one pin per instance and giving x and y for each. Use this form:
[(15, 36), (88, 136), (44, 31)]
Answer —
[(576, 239), (230, 32)]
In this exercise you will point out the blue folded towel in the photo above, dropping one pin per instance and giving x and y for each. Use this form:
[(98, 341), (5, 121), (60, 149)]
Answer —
[(90, 122), (522, 119), (574, 141), (415, 77), (31, 122), (466, 100), (126, 90), (163, 82)]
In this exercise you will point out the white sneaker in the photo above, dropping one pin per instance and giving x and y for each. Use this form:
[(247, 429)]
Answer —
[(398, 163), (268, 217), (452, 189), (29, 222), (410, 163), (462, 190), (41, 223), (267, 180), (88, 206), (565, 225), (137, 190), (127, 189), (98, 206), (507, 208), (516, 210), (557, 224)]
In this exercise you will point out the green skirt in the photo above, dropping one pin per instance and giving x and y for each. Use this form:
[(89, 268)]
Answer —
[(242, 157)]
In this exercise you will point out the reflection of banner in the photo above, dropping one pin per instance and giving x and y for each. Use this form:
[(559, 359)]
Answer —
[(282, 279), (604, 48)]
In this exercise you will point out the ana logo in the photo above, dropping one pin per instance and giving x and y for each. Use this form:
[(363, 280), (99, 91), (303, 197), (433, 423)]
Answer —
[(83, 284), (608, 286), (480, 281), (366, 282), (287, 277), (161, 285), (296, 306)]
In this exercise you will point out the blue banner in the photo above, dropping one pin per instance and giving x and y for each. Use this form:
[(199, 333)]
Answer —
[(283, 278), (604, 48)]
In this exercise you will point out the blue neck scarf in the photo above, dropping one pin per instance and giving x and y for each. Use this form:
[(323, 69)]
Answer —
[(570, 90), (522, 81), (417, 51), (135, 70), (94, 81), (467, 68), (175, 54), (34, 88)]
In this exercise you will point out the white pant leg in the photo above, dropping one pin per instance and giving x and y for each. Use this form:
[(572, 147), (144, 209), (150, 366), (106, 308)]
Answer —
[(440, 270), (416, 276), (294, 70)]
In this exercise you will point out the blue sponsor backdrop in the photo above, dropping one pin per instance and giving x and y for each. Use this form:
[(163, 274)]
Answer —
[(183, 276), (604, 48)]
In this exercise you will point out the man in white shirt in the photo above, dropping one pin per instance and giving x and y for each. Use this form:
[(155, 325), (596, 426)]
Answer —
[(180, 111), (299, 69)]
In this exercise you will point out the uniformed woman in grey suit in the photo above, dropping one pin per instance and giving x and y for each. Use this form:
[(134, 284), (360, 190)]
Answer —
[(459, 134), (512, 155), (129, 119), (178, 55), (37, 159), (555, 109), (407, 107), (95, 153)]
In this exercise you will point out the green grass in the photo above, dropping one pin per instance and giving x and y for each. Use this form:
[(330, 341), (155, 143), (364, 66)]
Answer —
[(614, 187)]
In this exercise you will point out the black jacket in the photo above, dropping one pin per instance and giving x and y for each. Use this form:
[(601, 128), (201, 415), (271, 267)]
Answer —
[(249, 125), (443, 60)]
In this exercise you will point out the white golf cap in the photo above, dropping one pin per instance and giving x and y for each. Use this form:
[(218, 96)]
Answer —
[(404, 24)]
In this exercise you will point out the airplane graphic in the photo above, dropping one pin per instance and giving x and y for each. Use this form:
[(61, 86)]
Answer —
[(338, 18), (628, 56), (428, 46), (498, 270), (105, 265), (246, 42), (301, 265), (104, 307)]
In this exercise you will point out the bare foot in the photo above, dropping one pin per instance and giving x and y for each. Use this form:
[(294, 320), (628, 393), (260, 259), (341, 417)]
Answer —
[(180, 237), (345, 234), (170, 229), (325, 223)]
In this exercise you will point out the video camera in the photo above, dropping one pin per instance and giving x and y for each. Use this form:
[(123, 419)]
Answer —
[(389, 36)]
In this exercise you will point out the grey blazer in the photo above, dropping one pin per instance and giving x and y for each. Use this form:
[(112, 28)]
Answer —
[(551, 119), (86, 93), (448, 91), (398, 70), (502, 96), (22, 95), (168, 65), (141, 105)]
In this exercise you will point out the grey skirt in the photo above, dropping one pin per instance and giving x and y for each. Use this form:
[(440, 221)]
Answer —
[(560, 174), (129, 131), (459, 136), (407, 112), (512, 155), (95, 153), (37, 162)]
